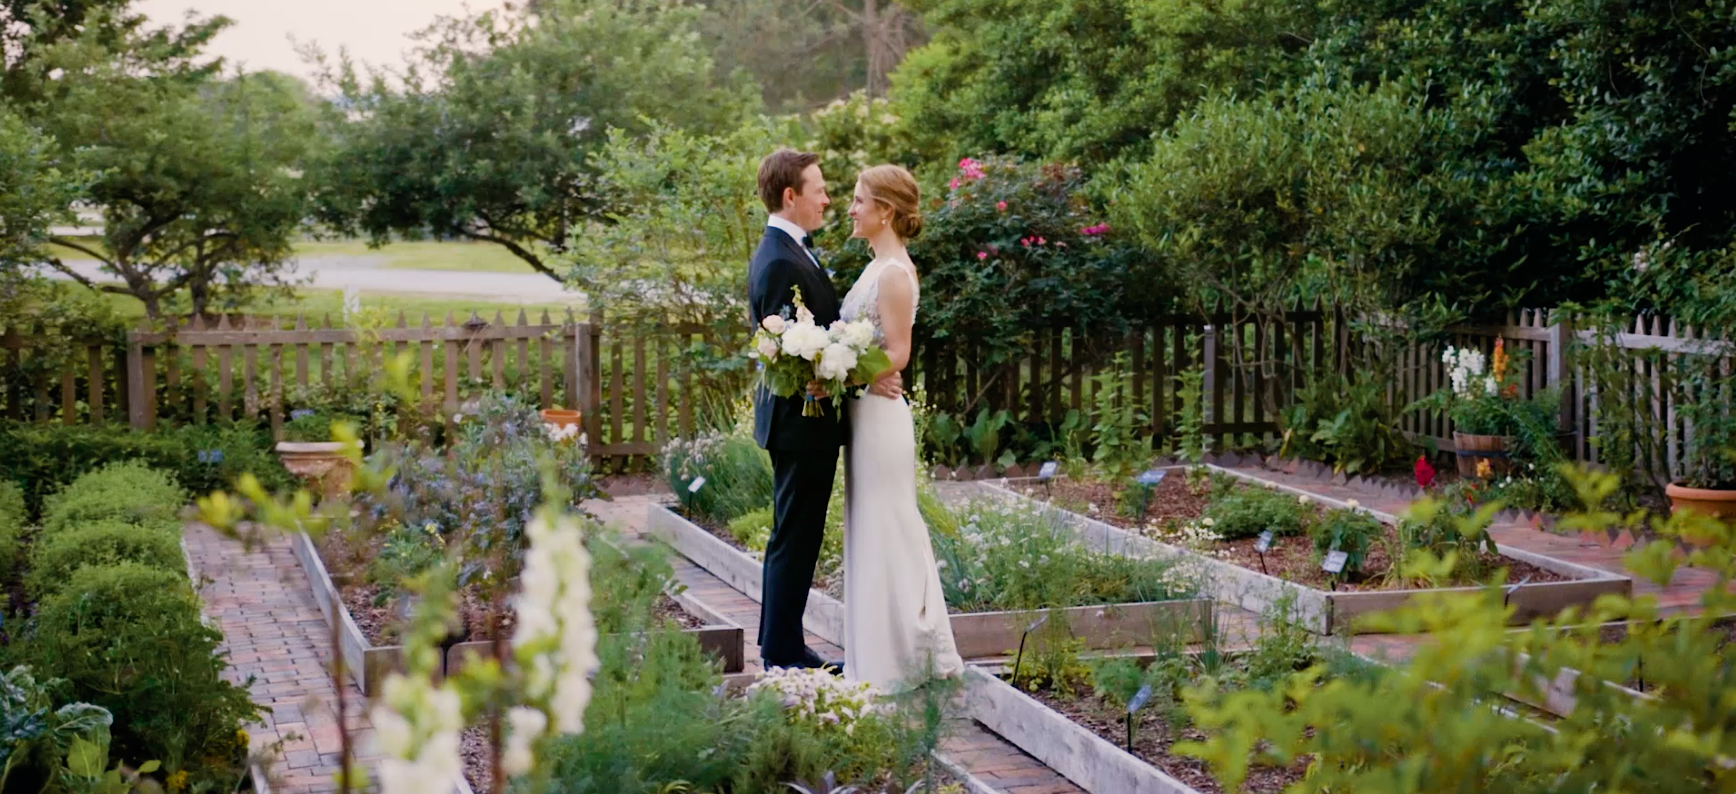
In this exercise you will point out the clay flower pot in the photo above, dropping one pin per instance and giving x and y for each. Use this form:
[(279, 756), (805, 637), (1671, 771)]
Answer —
[(1474, 448), (1705, 501), (561, 417), (321, 464)]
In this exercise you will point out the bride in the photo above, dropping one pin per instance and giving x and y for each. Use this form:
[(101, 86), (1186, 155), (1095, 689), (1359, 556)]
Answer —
[(897, 633)]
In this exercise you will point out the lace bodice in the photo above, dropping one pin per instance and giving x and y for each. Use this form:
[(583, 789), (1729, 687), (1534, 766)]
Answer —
[(863, 299)]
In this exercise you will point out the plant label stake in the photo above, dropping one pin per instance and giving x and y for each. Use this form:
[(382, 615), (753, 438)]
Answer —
[(1020, 658), (1334, 564), (1508, 591), (1263, 544), (698, 483), (1138, 702), (1149, 478), (1045, 473)]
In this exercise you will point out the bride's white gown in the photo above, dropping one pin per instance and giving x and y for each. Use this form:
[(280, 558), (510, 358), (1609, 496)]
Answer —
[(896, 629)]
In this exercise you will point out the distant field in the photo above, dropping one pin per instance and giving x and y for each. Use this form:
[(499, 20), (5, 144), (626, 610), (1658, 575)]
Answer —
[(425, 255), (316, 303)]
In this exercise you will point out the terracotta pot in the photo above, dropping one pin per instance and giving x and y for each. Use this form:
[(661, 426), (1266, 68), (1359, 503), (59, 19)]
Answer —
[(1705, 501), (1473, 448), (321, 464), (561, 417)]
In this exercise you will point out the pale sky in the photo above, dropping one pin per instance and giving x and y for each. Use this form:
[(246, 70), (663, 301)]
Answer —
[(375, 31)]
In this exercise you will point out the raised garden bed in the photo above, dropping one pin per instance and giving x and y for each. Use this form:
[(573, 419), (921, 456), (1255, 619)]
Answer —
[(977, 635), (369, 664), (1234, 577)]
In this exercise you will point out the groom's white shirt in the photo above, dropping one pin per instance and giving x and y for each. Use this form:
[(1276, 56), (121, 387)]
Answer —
[(795, 232)]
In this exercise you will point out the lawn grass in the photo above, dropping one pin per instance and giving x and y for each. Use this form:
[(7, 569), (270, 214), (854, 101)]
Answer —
[(418, 255), (315, 304)]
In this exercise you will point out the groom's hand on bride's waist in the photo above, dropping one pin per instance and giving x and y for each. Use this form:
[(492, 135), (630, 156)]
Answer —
[(890, 386)]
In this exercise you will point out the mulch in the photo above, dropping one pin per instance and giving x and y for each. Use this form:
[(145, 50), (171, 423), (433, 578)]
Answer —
[(1290, 558), (1153, 736), (382, 624)]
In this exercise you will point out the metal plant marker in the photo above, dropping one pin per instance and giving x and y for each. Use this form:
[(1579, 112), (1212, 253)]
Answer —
[(1334, 564), (1045, 473), (1149, 478), (698, 483), (1263, 544), (1508, 591), (1020, 657), (1138, 702)]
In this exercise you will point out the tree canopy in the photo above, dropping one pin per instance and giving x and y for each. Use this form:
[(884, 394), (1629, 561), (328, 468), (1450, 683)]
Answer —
[(490, 134)]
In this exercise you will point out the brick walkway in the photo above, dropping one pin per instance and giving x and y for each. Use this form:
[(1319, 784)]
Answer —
[(274, 632), (988, 757)]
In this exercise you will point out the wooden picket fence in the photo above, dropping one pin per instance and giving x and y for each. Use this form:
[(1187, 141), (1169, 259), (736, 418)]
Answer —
[(639, 390), (636, 390)]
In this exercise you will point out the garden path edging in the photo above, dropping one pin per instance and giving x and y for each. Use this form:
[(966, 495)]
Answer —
[(1322, 611), (1081, 756)]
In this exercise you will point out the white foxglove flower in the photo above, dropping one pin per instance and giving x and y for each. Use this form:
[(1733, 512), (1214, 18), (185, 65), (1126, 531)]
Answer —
[(523, 726)]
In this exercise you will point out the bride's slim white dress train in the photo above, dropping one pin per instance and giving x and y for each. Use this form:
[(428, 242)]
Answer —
[(896, 628)]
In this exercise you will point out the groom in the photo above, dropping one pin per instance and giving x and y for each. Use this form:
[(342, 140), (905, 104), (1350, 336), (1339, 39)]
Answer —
[(804, 450)]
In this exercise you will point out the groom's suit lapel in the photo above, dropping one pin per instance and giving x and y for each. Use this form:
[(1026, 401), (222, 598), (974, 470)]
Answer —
[(821, 296)]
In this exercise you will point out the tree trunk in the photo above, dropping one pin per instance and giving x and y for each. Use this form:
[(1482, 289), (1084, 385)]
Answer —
[(874, 40)]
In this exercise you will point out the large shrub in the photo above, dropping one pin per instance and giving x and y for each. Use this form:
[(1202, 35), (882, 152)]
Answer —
[(130, 492), (128, 637), (41, 459), (57, 556)]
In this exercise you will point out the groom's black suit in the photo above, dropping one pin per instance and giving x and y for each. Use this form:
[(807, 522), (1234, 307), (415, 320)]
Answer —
[(804, 452)]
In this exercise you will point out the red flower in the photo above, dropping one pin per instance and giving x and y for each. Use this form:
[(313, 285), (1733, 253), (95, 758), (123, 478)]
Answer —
[(1424, 472), (1001, 205)]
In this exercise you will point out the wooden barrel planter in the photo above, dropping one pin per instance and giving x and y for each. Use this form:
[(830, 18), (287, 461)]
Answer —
[(1473, 448)]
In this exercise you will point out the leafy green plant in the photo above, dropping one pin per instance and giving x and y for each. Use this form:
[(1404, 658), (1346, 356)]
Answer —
[(1436, 729), (129, 638), (1246, 511), (406, 552), (943, 435), (1013, 557), (39, 738), (1192, 443), (1117, 445), (984, 435), (738, 475), (1349, 531), (55, 557), (1345, 423), (1452, 528)]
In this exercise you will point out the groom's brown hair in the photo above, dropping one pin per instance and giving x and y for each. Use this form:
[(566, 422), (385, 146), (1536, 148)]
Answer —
[(782, 169)]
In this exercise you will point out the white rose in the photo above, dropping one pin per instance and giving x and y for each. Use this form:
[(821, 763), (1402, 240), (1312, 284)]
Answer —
[(804, 340), (836, 362), (773, 324), (768, 347), (859, 334)]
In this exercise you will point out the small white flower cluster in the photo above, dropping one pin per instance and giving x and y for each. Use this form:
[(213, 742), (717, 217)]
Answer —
[(816, 696), (1467, 368), (560, 433), (1198, 534), (686, 458), (416, 726), (555, 639)]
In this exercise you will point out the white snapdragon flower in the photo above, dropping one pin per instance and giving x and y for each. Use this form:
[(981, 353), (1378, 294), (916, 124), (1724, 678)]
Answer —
[(803, 316), (418, 732), (554, 607), (836, 361), (524, 725)]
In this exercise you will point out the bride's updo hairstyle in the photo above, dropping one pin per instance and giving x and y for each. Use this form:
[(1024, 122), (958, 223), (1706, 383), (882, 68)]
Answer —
[(896, 189)]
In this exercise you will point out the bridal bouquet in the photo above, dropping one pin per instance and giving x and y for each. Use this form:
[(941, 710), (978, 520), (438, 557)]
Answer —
[(797, 352)]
